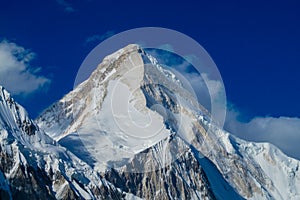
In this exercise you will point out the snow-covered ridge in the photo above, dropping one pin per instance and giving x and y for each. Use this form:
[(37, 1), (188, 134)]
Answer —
[(167, 73), (251, 170), (14, 118), (34, 166)]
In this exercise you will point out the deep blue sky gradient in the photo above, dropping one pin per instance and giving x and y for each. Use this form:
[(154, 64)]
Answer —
[(256, 45)]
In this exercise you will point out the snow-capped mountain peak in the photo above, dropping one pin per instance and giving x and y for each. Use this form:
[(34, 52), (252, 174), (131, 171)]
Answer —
[(14, 118), (134, 115)]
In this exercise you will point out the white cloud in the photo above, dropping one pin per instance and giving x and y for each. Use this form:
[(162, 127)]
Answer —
[(67, 6), (284, 132), (16, 74), (166, 47)]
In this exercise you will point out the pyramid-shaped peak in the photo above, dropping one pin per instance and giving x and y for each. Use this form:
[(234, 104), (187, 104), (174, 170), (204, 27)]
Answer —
[(123, 51)]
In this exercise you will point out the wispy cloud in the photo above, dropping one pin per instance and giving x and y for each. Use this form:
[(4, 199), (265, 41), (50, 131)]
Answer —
[(98, 38), (16, 73), (284, 132), (67, 6)]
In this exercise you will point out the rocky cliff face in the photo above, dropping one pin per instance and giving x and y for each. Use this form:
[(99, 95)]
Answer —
[(132, 131)]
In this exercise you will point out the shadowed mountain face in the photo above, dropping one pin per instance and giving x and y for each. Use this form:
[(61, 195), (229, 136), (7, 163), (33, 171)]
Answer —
[(132, 131)]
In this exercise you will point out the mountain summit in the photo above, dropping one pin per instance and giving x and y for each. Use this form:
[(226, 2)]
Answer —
[(133, 131)]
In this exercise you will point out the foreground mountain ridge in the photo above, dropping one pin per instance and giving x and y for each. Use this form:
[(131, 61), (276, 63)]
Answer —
[(196, 160), (34, 166)]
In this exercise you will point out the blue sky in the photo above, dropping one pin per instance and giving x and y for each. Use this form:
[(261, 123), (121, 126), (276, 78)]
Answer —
[(256, 46)]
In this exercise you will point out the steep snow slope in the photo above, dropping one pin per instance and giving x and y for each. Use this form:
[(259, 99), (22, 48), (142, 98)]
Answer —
[(33, 166), (132, 115), (120, 124)]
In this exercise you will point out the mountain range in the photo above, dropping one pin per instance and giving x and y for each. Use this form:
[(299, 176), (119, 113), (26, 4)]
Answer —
[(132, 131)]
